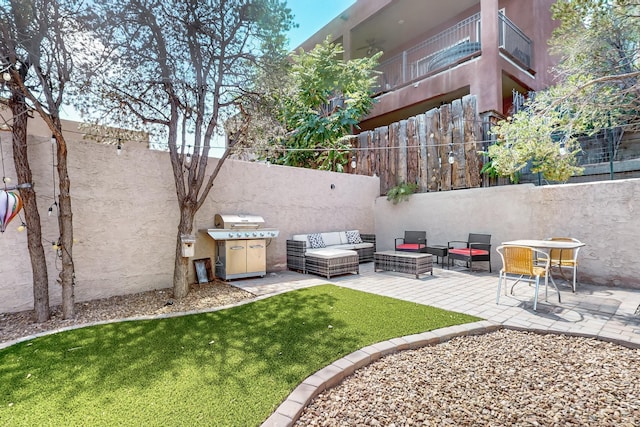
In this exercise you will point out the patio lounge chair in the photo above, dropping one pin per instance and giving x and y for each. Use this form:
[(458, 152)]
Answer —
[(413, 241), (476, 248)]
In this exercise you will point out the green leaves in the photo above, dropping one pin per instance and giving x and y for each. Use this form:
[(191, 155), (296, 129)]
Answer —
[(533, 138), (328, 96), (401, 192), (598, 74)]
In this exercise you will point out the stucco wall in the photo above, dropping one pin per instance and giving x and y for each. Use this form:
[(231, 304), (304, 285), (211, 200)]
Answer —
[(125, 217), (125, 214), (604, 215)]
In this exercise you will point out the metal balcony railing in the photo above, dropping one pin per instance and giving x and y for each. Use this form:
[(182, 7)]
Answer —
[(449, 47), (431, 55), (514, 42)]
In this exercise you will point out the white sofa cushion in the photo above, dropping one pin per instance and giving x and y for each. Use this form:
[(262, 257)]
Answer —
[(343, 237), (332, 238), (330, 253), (301, 238)]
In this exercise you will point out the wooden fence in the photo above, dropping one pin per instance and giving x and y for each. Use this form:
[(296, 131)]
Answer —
[(420, 148)]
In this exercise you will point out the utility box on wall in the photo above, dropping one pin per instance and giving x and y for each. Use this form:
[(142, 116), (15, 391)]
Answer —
[(188, 248)]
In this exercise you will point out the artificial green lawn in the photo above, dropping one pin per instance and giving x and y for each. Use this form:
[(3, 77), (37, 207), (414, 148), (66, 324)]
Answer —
[(227, 368)]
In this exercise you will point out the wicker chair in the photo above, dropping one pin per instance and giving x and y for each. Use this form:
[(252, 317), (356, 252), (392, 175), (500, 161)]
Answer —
[(476, 248), (521, 261), (413, 241), (565, 259)]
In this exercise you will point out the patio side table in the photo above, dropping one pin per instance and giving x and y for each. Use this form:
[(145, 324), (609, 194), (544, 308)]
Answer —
[(403, 262), (440, 251)]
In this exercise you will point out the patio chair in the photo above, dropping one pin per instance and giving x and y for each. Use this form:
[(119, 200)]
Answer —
[(476, 248), (565, 259), (413, 241), (521, 261)]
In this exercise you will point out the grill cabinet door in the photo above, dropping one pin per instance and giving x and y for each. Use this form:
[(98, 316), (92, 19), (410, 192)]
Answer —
[(256, 256), (236, 256)]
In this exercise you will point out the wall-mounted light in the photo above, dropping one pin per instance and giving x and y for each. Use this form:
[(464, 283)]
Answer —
[(353, 162), (187, 159), (22, 227), (119, 148), (6, 179), (50, 210), (53, 139), (452, 159)]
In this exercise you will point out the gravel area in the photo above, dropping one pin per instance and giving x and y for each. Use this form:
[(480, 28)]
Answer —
[(505, 378), (200, 297)]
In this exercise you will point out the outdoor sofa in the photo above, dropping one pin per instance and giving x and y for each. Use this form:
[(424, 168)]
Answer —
[(300, 246)]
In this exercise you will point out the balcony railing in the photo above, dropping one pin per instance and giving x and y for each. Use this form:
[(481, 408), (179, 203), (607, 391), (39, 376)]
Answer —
[(456, 44), (514, 42), (431, 55)]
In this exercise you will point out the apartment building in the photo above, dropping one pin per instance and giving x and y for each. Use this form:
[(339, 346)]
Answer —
[(435, 51)]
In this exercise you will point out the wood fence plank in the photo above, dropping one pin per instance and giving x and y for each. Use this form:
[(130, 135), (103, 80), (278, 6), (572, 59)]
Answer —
[(362, 154), (423, 159), (459, 165), (472, 146), (413, 174), (445, 146), (402, 158), (432, 130)]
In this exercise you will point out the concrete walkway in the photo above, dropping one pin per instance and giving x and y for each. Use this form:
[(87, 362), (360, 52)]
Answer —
[(610, 314)]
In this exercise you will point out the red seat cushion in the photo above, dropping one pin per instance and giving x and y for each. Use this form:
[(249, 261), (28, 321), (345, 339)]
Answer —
[(410, 246), (468, 252)]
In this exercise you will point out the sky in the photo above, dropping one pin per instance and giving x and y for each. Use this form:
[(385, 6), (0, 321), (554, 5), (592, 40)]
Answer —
[(311, 15)]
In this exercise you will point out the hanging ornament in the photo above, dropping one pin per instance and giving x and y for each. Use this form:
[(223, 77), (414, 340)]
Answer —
[(10, 205)]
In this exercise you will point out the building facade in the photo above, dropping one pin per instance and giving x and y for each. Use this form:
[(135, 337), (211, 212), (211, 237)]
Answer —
[(435, 51)]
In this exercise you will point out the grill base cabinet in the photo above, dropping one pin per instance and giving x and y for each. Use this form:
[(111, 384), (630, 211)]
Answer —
[(241, 245), (241, 258)]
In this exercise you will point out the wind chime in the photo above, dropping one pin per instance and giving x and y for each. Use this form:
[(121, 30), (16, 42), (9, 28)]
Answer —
[(10, 201)]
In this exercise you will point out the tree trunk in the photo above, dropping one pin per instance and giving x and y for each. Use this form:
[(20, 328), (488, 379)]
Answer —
[(67, 273), (180, 272), (32, 216)]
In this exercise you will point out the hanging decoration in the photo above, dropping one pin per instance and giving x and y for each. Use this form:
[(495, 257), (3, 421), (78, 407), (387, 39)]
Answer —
[(10, 205)]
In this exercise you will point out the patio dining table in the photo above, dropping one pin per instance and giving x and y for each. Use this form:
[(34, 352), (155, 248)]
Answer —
[(546, 246)]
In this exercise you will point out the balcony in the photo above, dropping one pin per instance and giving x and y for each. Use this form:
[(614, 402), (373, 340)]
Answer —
[(514, 43), (455, 45)]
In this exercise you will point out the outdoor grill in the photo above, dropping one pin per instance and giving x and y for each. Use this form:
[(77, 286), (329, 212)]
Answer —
[(241, 245)]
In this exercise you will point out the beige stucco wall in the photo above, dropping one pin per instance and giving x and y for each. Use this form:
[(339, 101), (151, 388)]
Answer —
[(125, 214), (125, 217), (604, 215)]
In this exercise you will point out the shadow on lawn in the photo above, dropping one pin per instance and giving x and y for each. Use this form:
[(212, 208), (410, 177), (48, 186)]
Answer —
[(281, 336), (233, 366)]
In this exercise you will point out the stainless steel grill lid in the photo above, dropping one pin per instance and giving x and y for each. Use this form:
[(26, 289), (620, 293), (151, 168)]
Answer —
[(238, 221)]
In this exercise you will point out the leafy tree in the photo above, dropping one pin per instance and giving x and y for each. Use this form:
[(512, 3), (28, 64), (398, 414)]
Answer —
[(597, 87), (326, 97), (35, 51), (182, 68)]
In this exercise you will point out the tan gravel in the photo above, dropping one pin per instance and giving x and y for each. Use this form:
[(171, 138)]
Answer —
[(201, 297), (506, 378)]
